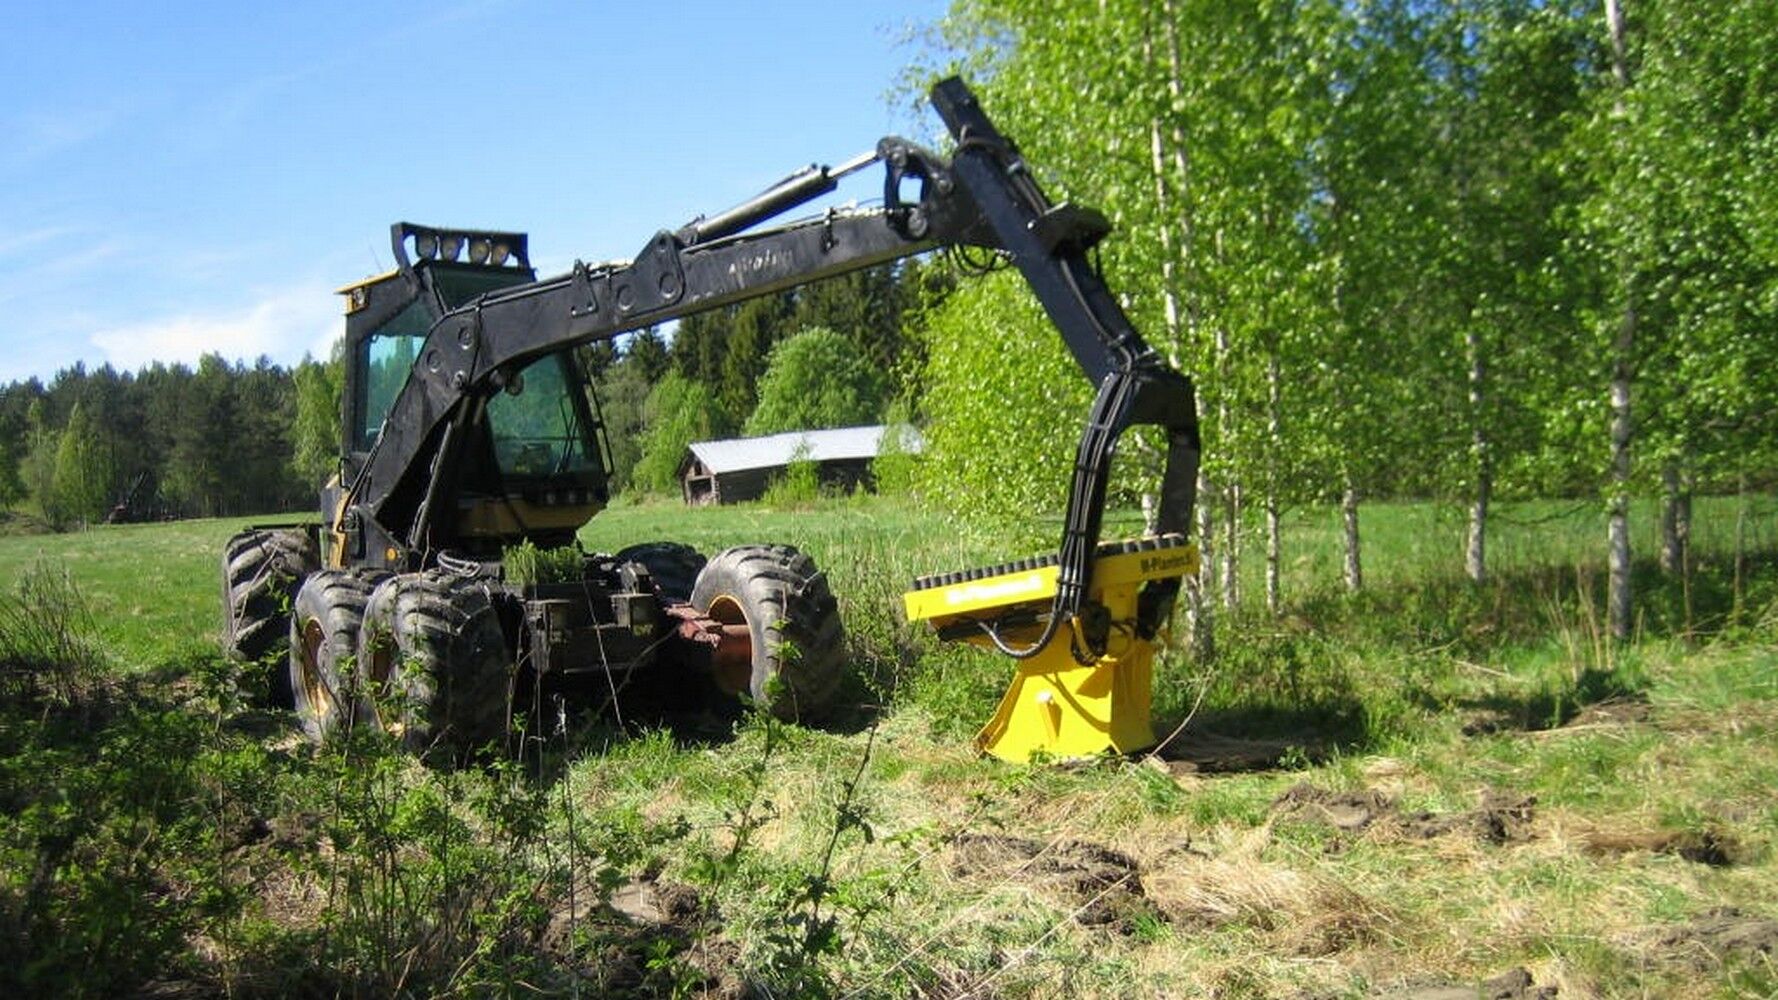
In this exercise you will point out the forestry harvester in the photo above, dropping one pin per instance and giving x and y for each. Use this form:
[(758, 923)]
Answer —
[(472, 452)]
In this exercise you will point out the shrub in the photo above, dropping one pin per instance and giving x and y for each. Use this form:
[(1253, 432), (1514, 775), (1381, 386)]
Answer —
[(816, 380), (47, 645), (798, 485), (678, 411), (896, 465), (527, 564)]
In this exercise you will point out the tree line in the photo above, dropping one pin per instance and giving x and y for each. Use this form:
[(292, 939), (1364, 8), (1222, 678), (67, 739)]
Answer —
[(225, 438), (168, 441), (1466, 251), (841, 352)]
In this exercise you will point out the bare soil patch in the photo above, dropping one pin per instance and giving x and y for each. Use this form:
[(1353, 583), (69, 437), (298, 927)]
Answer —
[(1716, 936), (1706, 846), (1101, 887), (1500, 818), (637, 924), (1350, 811)]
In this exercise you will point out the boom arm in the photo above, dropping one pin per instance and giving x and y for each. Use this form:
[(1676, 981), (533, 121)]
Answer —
[(982, 196)]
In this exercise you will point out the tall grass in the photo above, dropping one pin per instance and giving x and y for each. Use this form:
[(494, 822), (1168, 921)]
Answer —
[(47, 647), (1359, 667)]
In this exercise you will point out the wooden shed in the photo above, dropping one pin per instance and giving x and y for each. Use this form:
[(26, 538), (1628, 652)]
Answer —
[(740, 469)]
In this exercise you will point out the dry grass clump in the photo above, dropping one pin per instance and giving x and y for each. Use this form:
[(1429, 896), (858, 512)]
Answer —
[(1299, 912)]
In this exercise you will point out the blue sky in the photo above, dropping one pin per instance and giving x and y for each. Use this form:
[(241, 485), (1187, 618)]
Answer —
[(177, 178)]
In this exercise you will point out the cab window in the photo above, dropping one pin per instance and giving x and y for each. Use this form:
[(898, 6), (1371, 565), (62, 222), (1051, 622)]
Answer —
[(388, 357), (538, 429)]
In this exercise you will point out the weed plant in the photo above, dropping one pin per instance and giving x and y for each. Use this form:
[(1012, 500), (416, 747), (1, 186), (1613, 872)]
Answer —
[(47, 648)]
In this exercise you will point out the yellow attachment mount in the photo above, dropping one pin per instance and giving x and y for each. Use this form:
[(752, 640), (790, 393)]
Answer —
[(1058, 706)]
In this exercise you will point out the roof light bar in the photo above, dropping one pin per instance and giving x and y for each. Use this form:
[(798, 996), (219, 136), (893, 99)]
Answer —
[(414, 243)]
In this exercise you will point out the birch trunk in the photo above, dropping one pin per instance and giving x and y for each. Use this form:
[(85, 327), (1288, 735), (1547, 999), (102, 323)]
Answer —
[(1274, 599), (1349, 520), (1231, 547), (1201, 584), (1475, 561), (1199, 608), (1618, 598), (1676, 520)]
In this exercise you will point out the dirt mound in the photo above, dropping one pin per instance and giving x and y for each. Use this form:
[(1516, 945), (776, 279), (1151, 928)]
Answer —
[(633, 932), (1101, 887), (1501, 818), (1305, 803), (1705, 846), (1716, 936), (646, 901)]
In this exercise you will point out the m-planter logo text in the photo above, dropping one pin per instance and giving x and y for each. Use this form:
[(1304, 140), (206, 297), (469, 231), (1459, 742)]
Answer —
[(1163, 563)]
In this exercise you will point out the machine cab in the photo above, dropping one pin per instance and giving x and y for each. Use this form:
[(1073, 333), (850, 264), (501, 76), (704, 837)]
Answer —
[(533, 462)]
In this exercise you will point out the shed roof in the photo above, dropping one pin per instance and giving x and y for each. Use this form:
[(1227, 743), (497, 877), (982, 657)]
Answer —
[(773, 450)]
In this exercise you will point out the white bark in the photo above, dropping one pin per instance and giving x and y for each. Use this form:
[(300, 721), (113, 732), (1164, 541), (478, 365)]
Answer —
[(1618, 598), (1349, 520), (1475, 562), (1200, 586), (1274, 599), (1231, 547)]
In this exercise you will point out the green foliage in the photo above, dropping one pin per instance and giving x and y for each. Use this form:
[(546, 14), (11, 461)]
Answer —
[(798, 485), (315, 436), (12, 483), (38, 469), (214, 440), (896, 466), (82, 488), (814, 381), (873, 309), (645, 350), (526, 564), (1003, 401), (678, 411), (622, 392)]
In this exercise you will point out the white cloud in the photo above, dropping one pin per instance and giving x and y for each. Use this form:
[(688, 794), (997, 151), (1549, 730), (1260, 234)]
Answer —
[(38, 133), (19, 244), (284, 325)]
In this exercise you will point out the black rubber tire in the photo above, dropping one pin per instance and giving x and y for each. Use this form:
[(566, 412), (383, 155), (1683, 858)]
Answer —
[(674, 566), (324, 626), (438, 662), (793, 621), (261, 572)]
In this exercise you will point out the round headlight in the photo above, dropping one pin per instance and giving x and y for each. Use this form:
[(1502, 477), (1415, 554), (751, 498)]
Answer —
[(450, 246), (501, 252), (426, 244), (478, 250)]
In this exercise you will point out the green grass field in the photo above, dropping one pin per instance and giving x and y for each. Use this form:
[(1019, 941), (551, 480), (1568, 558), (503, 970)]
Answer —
[(1424, 786)]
